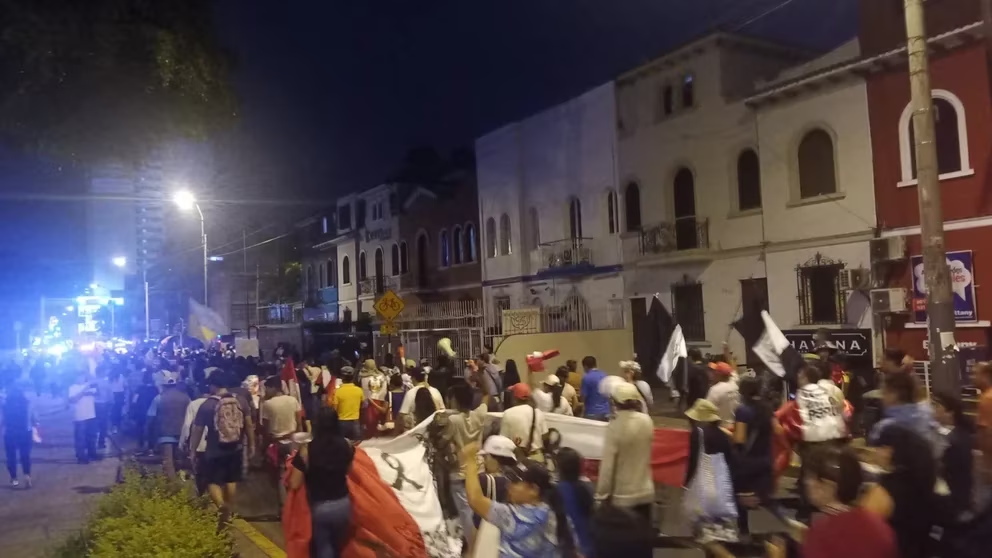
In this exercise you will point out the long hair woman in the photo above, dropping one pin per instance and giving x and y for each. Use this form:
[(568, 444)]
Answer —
[(533, 524), (423, 405), (324, 465), (752, 441)]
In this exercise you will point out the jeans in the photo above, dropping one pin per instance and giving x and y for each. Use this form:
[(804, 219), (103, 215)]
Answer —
[(331, 519), (18, 443), (170, 452), (350, 429), (84, 435), (102, 424), (465, 514), (117, 410)]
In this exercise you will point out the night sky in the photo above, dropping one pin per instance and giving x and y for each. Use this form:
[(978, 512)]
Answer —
[(334, 92)]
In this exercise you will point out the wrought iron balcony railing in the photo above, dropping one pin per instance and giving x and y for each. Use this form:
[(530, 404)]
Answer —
[(684, 233), (376, 285), (566, 253)]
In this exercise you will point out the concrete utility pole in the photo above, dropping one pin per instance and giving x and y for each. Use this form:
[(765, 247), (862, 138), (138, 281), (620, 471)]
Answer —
[(944, 371)]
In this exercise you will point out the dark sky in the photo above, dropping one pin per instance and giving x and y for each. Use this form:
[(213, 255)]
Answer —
[(335, 91)]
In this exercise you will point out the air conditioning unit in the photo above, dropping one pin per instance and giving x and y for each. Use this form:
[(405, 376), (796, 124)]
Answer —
[(888, 249), (890, 301), (855, 279)]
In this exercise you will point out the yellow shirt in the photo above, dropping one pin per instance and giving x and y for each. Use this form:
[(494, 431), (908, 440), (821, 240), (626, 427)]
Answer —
[(348, 401), (575, 380)]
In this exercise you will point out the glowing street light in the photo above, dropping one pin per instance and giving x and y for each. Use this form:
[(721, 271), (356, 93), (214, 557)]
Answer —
[(185, 200), (120, 261)]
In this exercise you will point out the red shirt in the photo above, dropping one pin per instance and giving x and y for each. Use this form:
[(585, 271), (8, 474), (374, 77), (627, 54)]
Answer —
[(857, 533)]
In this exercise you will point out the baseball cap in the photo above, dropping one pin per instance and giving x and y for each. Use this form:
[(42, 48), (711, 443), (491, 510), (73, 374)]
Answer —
[(530, 472), (520, 391), (625, 392), (552, 380), (722, 369), (499, 446)]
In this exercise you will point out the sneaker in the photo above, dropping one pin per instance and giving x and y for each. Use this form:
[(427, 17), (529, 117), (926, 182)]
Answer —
[(14, 483), (27, 482)]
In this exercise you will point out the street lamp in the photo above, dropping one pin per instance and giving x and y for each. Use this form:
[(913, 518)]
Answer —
[(185, 200), (120, 261)]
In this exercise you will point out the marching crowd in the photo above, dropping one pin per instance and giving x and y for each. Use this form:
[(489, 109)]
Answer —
[(917, 487)]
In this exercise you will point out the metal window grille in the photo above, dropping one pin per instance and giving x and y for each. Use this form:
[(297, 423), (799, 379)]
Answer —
[(687, 306), (821, 299)]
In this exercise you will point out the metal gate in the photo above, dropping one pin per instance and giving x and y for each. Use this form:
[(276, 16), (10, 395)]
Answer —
[(422, 326)]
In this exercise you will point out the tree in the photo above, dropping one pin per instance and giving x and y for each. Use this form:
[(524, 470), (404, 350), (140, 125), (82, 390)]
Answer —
[(284, 286), (109, 80)]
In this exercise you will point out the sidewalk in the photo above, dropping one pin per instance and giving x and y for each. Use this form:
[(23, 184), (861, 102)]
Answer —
[(33, 521)]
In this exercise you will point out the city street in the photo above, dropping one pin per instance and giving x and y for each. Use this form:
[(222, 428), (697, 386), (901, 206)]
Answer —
[(33, 521)]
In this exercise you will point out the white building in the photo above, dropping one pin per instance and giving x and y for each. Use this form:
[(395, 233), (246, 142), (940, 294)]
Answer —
[(548, 209), (741, 195)]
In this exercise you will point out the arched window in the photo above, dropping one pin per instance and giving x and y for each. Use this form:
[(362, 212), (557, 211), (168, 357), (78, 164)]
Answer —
[(395, 259), (688, 90), (491, 238), (817, 175), (332, 274), (951, 131), (362, 268), (574, 218), (423, 273), (667, 100), (459, 242), (748, 181), (445, 248), (505, 240), (611, 211), (535, 228), (320, 276), (470, 250), (632, 207), (345, 271), (380, 265), (311, 283), (404, 258)]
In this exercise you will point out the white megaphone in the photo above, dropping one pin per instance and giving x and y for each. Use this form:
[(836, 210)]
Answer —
[(444, 345)]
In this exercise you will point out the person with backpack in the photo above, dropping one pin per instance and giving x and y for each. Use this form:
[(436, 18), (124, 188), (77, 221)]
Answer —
[(228, 422)]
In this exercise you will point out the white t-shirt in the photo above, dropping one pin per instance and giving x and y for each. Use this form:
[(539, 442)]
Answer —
[(85, 407), (646, 395), (726, 396), (279, 415), (544, 401), (191, 410), (407, 407), (516, 426)]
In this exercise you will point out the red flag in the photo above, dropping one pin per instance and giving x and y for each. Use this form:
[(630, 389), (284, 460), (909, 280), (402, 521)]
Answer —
[(288, 371)]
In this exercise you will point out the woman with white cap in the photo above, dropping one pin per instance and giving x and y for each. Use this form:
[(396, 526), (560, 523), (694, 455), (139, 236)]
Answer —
[(631, 371), (549, 397), (625, 471)]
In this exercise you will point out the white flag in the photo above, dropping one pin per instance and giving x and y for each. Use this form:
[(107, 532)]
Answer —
[(771, 345), (676, 349)]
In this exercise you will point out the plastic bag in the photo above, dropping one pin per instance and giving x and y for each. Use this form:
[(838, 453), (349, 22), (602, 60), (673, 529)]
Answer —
[(35, 435), (710, 494)]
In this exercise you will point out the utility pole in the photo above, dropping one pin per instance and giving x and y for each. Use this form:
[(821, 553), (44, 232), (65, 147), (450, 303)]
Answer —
[(244, 274), (944, 371)]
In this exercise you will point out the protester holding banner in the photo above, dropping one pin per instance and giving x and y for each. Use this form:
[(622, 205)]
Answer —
[(462, 427), (533, 523), (625, 473), (524, 424)]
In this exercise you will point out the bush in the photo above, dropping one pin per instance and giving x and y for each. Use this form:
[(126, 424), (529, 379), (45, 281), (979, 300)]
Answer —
[(149, 516)]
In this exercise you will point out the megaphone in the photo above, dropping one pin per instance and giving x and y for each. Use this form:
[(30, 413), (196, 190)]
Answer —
[(444, 345)]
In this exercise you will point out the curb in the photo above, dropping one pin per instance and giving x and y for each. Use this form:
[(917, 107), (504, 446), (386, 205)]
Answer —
[(258, 539)]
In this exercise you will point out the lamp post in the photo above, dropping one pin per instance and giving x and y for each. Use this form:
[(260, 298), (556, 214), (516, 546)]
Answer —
[(185, 200)]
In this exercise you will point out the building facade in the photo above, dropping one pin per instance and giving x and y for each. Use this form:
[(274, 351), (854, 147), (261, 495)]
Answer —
[(549, 213), (746, 184), (959, 71)]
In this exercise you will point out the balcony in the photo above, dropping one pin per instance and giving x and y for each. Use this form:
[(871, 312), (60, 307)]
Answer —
[(568, 255), (682, 237), (377, 285)]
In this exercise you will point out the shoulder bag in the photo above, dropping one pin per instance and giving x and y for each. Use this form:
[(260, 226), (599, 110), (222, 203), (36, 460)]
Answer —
[(617, 525)]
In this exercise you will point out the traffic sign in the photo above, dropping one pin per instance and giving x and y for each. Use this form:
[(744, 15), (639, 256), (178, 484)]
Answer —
[(388, 328), (389, 305)]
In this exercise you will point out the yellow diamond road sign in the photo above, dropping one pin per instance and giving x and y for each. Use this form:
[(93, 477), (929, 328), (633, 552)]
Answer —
[(389, 306), (388, 328)]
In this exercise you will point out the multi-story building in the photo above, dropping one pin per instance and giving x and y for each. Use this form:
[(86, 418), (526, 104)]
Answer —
[(441, 262), (746, 184), (549, 211), (320, 266), (959, 71)]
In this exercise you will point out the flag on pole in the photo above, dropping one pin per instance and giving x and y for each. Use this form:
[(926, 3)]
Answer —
[(204, 323), (776, 351), (675, 350)]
